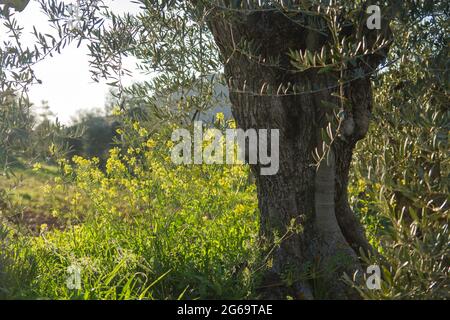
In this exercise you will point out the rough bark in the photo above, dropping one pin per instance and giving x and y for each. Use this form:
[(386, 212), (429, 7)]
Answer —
[(315, 198)]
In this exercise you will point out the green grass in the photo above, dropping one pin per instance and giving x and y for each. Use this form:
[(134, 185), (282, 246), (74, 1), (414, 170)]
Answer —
[(24, 186)]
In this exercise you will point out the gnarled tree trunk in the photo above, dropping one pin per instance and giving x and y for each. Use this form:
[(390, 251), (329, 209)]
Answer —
[(314, 198)]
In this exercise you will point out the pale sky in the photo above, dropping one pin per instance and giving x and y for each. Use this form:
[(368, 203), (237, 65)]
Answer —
[(66, 81)]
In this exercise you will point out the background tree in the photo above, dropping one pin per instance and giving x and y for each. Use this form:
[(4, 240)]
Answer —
[(267, 92)]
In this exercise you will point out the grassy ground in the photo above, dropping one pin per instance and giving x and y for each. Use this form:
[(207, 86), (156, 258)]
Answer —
[(127, 233), (28, 206)]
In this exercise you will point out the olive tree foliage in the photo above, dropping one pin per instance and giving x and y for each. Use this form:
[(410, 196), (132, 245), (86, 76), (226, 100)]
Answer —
[(277, 58), (15, 127), (406, 153)]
